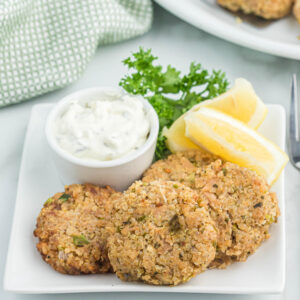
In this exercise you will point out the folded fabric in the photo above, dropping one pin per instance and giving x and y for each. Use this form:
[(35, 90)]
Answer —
[(47, 44)]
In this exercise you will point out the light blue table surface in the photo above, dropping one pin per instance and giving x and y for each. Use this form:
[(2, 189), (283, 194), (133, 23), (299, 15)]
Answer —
[(176, 43)]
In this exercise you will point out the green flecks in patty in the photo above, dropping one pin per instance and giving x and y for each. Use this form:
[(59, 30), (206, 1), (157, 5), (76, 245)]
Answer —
[(270, 219), (191, 177), (48, 201), (64, 197), (259, 204), (156, 245), (234, 227), (174, 224), (224, 171), (80, 240), (141, 219)]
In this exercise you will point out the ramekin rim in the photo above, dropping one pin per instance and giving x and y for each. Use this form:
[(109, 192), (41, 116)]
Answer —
[(58, 107)]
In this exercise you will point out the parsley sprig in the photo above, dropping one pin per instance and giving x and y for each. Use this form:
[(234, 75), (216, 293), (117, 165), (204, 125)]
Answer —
[(170, 93)]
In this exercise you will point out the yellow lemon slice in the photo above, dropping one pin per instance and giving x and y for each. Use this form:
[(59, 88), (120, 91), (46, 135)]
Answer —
[(176, 139), (235, 142), (240, 102)]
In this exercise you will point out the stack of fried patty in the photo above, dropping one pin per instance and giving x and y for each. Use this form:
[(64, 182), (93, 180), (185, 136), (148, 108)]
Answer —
[(190, 212)]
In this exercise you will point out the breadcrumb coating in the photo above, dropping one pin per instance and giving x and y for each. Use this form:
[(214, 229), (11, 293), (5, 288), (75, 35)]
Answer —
[(239, 201), (71, 229), (163, 234), (267, 9)]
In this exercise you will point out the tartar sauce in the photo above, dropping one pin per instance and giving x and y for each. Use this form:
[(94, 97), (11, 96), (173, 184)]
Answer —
[(105, 128)]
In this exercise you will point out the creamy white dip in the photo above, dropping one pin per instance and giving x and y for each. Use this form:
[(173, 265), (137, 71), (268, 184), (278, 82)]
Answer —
[(104, 128)]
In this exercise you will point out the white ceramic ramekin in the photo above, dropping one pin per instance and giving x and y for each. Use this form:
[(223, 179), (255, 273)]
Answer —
[(118, 173)]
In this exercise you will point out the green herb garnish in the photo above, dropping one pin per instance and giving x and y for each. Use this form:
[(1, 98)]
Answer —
[(170, 94), (64, 197), (141, 219), (80, 240)]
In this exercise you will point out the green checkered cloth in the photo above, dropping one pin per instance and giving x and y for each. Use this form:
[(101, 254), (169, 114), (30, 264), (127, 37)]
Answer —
[(47, 44)]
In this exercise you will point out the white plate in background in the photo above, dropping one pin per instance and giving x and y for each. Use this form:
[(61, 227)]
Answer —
[(26, 272), (280, 37)]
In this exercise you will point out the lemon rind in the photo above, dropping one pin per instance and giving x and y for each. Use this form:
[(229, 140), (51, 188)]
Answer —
[(276, 153)]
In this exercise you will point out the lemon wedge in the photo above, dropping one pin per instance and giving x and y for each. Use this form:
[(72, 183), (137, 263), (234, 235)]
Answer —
[(240, 102), (176, 139), (234, 141)]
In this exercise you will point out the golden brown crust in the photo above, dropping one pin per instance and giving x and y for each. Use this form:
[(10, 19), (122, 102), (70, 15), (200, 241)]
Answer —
[(267, 9), (241, 199), (191, 212), (296, 10), (234, 244), (71, 229), (163, 234), (180, 166)]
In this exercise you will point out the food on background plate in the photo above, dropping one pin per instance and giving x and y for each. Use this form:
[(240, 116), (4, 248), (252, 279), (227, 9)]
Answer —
[(236, 142), (296, 10), (105, 128), (71, 229), (164, 234), (240, 102), (274, 9)]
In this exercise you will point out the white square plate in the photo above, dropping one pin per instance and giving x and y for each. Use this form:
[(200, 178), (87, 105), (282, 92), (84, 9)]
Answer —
[(26, 272)]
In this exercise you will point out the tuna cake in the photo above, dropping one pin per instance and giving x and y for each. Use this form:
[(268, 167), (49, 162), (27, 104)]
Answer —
[(242, 199), (180, 166), (163, 234), (71, 229), (267, 9), (195, 168), (183, 167)]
